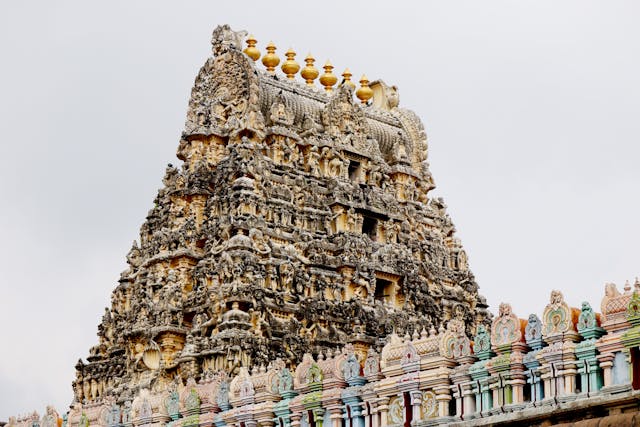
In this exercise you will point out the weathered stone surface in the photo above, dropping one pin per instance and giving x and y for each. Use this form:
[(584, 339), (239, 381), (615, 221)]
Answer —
[(298, 222)]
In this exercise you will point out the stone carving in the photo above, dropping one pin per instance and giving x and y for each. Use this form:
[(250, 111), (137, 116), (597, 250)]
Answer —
[(557, 316), (290, 208), (587, 318), (429, 405), (505, 328), (482, 340), (283, 382), (351, 368), (396, 411), (633, 308), (372, 363), (454, 343), (172, 404), (533, 330)]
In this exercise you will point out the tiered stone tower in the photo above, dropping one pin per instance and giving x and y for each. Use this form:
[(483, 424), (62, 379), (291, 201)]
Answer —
[(300, 221)]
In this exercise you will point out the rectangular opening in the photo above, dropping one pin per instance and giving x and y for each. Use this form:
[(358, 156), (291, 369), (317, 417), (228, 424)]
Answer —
[(370, 227), (354, 170), (635, 368), (526, 392), (408, 413), (383, 290)]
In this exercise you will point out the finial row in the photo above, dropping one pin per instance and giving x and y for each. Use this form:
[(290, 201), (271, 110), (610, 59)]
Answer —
[(309, 72)]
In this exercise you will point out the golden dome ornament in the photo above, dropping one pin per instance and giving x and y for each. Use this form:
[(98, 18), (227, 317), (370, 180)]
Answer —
[(290, 67), (270, 59), (364, 93), (251, 50), (328, 79), (309, 73), (346, 76)]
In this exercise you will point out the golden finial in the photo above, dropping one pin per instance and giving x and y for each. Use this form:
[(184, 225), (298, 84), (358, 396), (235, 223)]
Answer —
[(309, 73), (270, 59), (346, 75), (290, 67), (251, 50), (328, 79), (364, 93)]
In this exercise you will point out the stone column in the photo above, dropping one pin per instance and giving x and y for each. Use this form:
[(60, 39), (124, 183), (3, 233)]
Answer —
[(606, 364), (443, 397), (365, 415), (383, 410), (517, 384), (416, 401), (295, 419), (375, 416), (336, 416), (468, 399)]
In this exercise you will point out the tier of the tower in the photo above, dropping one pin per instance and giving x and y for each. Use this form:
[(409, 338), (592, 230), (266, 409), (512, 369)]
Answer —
[(298, 222)]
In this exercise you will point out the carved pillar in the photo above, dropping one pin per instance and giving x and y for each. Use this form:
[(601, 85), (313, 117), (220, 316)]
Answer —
[(375, 416), (366, 415), (356, 416), (383, 410), (606, 363), (443, 397), (295, 419), (469, 399), (336, 416), (416, 401)]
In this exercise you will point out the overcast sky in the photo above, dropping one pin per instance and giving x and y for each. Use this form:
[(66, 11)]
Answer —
[(531, 108)]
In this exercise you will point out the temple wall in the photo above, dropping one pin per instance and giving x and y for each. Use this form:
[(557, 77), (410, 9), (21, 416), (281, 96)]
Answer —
[(567, 365)]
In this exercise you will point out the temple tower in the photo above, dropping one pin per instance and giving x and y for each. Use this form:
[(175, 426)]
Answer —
[(299, 221)]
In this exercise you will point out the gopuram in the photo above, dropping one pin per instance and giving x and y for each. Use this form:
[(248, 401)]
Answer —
[(295, 272)]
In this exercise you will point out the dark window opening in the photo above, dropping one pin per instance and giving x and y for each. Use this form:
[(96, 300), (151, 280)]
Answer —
[(382, 289), (312, 419), (578, 388), (635, 368), (408, 413), (354, 170), (369, 227), (526, 393)]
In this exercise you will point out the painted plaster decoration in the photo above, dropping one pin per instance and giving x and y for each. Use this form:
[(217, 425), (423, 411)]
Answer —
[(351, 368), (633, 309), (482, 340), (587, 318), (50, 418), (396, 411), (557, 317), (372, 364), (454, 342), (283, 382), (505, 329), (172, 404), (429, 406), (409, 354), (533, 332)]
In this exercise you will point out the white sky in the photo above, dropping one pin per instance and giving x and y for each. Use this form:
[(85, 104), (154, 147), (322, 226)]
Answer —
[(531, 108)]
